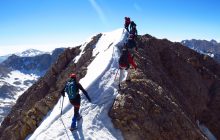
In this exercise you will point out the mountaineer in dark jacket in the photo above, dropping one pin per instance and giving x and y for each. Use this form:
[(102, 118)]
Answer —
[(72, 88)]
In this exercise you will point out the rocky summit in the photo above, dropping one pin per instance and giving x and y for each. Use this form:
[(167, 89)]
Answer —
[(172, 90)]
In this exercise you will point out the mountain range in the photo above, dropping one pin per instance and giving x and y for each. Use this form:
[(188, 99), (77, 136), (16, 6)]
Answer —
[(173, 94), (211, 48), (19, 71)]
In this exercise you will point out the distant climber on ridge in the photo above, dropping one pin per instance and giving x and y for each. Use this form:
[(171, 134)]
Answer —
[(124, 64), (133, 29), (72, 89), (127, 23)]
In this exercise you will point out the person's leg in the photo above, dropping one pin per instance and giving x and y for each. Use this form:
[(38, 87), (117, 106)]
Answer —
[(76, 112), (78, 116), (120, 75), (76, 104), (128, 78)]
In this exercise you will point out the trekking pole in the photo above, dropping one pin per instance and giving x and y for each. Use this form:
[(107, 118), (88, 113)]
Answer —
[(62, 119), (62, 107), (116, 74)]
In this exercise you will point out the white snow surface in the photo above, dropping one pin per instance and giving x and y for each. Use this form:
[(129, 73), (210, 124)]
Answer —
[(18, 77), (102, 89)]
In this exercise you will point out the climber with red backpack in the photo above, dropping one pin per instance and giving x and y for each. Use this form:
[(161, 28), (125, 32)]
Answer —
[(124, 64), (127, 23), (72, 88)]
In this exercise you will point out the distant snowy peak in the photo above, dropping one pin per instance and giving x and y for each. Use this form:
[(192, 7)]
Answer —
[(214, 42), (211, 48), (30, 53)]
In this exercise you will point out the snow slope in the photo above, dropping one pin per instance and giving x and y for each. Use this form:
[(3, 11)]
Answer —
[(101, 87)]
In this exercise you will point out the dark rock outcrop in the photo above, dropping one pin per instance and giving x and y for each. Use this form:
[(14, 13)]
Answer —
[(173, 88), (40, 98)]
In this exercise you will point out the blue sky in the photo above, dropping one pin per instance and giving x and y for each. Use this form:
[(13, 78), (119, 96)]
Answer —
[(46, 24)]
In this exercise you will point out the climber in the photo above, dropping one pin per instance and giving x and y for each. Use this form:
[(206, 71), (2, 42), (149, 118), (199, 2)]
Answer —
[(133, 29), (131, 45), (72, 89), (127, 23), (132, 25), (124, 64)]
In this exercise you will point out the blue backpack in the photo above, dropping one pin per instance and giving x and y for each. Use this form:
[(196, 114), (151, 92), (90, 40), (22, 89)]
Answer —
[(70, 89)]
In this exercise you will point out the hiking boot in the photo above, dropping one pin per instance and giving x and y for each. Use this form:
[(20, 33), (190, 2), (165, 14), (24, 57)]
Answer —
[(73, 128)]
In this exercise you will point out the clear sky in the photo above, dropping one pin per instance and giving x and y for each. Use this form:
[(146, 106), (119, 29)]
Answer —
[(46, 24)]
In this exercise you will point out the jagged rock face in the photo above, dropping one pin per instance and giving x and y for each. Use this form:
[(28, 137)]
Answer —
[(37, 65), (40, 98), (172, 88)]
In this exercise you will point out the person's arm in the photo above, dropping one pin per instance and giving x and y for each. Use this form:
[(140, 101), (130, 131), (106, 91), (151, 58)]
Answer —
[(84, 91)]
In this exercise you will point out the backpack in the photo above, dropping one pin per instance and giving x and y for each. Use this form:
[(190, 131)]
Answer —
[(123, 60), (70, 89), (133, 24)]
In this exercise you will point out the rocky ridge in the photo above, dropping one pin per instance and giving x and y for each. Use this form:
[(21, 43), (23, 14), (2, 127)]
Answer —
[(173, 89)]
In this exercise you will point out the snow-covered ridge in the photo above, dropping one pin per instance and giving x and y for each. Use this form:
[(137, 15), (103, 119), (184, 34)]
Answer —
[(102, 89)]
